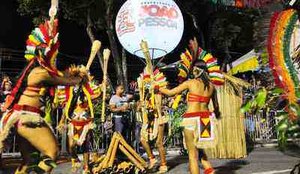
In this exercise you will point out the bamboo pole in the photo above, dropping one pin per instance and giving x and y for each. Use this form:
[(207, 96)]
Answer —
[(145, 49), (131, 158), (114, 142), (113, 154), (52, 14), (106, 54), (108, 153), (130, 149)]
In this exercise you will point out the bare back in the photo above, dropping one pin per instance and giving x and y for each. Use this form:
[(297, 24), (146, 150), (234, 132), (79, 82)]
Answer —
[(196, 86)]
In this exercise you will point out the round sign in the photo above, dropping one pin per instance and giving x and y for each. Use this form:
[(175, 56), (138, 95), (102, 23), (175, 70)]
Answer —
[(158, 22)]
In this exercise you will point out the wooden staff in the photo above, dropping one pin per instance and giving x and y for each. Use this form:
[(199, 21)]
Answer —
[(95, 47), (52, 14), (142, 99), (106, 54)]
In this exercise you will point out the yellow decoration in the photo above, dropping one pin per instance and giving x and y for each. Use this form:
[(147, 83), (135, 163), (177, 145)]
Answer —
[(29, 56), (176, 101), (182, 73), (205, 134), (248, 65), (214, 68), (207, 57), (205, 121), (32, 39)]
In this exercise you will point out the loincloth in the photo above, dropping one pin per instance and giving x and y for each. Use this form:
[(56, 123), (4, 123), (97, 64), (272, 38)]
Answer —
[(19, 115), (202, 124), (149, 132), (78, 130)]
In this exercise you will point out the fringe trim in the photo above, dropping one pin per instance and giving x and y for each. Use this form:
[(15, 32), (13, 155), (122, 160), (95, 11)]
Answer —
[(17, 117), (83, 134)]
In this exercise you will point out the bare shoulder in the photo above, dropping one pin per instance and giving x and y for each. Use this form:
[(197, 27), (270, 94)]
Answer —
[(39, 70), (194, 82), (37, 75)]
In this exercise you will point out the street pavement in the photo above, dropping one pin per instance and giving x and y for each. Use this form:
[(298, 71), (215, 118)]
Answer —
[(262, 160)]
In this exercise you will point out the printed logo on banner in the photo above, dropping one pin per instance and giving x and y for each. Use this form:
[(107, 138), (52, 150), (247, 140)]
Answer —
[(125, 21), (158, 15)]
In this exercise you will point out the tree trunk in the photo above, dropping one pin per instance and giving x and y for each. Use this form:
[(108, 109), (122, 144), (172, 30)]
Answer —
[(116, 57), (92, 38), (195, 23), (113, 44), (227, 58), (209, 35), (124, 68)]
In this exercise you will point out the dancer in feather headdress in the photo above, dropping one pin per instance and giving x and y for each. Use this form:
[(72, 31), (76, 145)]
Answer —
[(197, 121), (79, 113), (153, 119), (23, 106)]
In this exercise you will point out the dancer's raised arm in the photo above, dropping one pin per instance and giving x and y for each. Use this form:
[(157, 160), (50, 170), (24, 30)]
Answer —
[(177, 90)]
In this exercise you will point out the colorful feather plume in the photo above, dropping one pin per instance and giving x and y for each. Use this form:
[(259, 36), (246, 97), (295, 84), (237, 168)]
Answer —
[(187, 59), (42, 44), (280, 61), (158, 78)]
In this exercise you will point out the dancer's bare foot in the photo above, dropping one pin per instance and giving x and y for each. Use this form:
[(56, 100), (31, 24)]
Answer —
[(152, 163), (162, 169), (75, 164)]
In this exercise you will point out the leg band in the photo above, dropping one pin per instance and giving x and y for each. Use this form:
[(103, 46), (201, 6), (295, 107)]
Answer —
[(208, 171)]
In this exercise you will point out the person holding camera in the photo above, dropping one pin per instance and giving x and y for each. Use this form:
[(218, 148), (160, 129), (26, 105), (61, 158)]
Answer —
[(120, 108)]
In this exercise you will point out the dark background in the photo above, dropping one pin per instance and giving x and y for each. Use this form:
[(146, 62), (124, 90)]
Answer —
[(75, 44)]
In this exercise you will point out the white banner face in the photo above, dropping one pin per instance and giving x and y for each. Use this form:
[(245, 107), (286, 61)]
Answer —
[(159, 22)]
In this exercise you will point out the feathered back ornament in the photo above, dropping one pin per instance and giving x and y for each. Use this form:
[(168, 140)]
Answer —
[(70, 98), (196, 53), (158, 78), (42, 45)]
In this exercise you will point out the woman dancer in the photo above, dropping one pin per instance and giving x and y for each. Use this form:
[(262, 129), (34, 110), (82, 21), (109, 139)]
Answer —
[(201, 91), (23, 105)]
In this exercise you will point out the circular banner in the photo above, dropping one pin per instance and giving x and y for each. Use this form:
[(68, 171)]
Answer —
[(159, 22)]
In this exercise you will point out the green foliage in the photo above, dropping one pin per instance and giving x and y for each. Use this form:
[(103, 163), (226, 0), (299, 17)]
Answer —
[(175, 121), (257, 103), (271, 99), (72, 10), (286, 128)]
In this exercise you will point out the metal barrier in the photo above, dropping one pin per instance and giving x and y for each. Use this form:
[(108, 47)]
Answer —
[(261, 126)]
